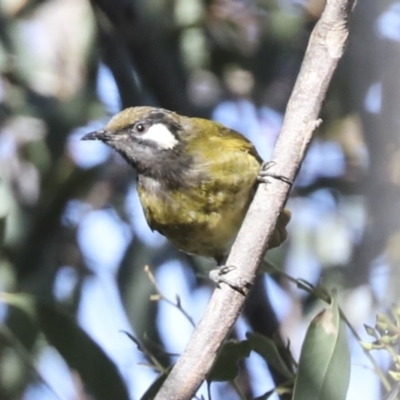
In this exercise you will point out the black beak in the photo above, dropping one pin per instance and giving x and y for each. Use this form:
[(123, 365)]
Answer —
[(102, 135)]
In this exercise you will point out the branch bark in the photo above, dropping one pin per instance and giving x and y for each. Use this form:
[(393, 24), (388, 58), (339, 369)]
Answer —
[(325, 48)]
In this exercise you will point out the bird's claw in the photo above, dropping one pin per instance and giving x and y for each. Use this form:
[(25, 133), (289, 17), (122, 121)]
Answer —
[(217, 275), (263, 175)]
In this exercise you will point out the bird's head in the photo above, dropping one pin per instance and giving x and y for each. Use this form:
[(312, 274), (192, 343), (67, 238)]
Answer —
[(144, 136)]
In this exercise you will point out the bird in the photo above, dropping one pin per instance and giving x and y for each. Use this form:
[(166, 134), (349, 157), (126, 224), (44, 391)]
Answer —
[(195, 177)]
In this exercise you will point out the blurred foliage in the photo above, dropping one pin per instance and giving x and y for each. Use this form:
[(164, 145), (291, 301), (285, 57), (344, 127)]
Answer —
[(197, 57), (386, 333), (74, 345)]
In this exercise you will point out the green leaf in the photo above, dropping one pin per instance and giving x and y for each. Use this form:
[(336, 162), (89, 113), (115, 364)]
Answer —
[(268, 350), (81, 353), (226, 367), (324, 367)]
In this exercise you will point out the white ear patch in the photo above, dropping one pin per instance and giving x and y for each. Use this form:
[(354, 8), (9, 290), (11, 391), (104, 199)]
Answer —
[(161, 135)]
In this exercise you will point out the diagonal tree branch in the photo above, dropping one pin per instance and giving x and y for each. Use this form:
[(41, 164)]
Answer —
[(326, 46)]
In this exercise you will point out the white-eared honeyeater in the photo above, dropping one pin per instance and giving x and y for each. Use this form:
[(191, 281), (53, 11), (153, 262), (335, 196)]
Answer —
[(196, 177)]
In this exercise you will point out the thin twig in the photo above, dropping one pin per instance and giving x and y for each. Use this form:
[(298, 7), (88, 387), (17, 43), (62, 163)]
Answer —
[(326, 46), (155, 364), (160, 296)]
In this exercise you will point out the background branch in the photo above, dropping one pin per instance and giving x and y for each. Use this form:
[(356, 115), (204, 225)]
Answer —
[(325, 48)]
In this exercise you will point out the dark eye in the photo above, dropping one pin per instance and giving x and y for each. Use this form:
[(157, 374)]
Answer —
[(140, 128)]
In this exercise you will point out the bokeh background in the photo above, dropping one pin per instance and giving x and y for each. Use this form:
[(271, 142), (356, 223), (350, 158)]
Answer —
[(75, 235)]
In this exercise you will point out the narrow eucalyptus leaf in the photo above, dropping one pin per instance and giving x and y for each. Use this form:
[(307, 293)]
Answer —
[(155, 386), (324, 366), (268, 350), (82, 354)]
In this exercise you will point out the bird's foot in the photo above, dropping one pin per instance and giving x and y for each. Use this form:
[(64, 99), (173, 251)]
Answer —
[(264, 174), (217, 275)]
